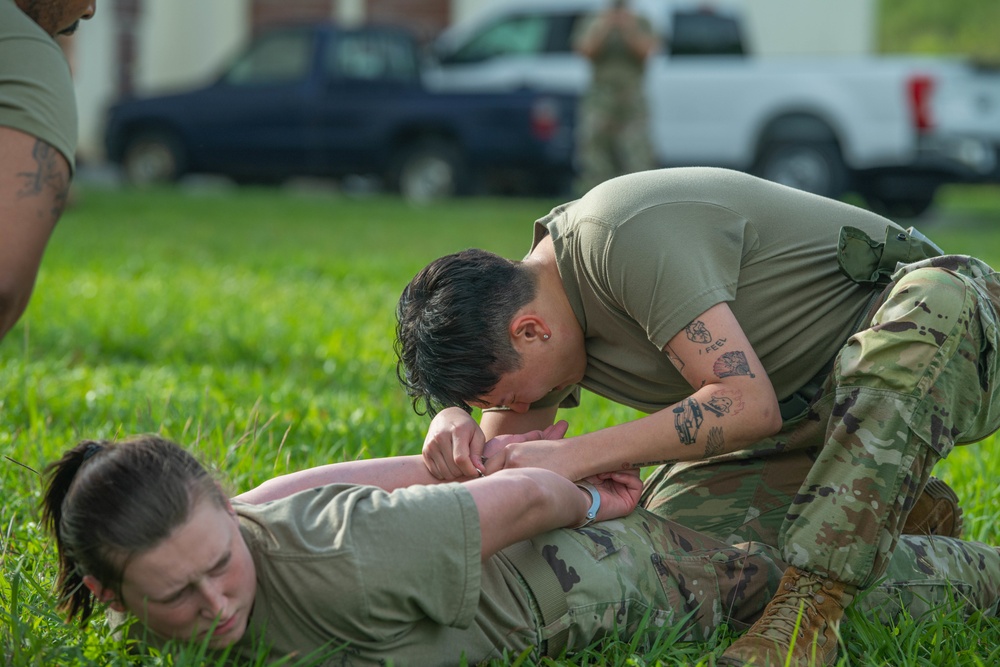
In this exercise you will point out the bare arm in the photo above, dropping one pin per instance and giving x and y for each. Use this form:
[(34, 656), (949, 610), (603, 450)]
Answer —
[(513, 505), (34, 183), (388, 473), (516, 507), (733, 404), (455, 443)]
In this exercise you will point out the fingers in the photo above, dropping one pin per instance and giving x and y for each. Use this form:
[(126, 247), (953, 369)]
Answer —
[(556, 431), (468, 455)]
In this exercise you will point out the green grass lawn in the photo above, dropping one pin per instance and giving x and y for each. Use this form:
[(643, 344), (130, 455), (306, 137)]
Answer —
[(257, 327)]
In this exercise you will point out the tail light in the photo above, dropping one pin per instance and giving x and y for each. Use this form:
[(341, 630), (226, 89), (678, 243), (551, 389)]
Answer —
[(920, 89), (544, 118)]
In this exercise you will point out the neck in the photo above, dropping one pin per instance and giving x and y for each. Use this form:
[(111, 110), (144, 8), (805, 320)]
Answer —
[(551, 297)]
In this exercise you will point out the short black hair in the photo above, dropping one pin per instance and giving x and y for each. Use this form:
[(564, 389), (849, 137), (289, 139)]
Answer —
[(452, 320)]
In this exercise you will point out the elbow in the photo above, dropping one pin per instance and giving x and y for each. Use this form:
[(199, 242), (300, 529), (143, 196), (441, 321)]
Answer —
[(770, 419), (12, 305)]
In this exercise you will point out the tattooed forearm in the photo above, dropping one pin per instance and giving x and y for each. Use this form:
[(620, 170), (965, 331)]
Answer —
[(643, 464), (716, 442), (50, 176), (732, 363), (687, 420)]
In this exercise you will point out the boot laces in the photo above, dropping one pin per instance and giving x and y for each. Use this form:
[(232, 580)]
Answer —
[(784, 612)]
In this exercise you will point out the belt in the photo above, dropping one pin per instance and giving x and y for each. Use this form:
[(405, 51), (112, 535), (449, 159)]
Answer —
[(545, 587)]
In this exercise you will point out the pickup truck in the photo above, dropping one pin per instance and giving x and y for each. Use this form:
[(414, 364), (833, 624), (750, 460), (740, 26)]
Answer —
[(892, 129), (320, 100)]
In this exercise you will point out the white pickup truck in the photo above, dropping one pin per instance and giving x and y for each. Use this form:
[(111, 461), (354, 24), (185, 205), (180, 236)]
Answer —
[(892, 129)]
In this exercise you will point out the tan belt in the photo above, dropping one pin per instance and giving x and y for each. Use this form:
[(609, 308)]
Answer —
[(545, 587)]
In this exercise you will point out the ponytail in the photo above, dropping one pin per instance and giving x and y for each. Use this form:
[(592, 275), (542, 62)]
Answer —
[(74, 596)]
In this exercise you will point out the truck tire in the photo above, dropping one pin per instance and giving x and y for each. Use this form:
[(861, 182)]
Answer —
[(152, 158), (815, 167), (427, 170)]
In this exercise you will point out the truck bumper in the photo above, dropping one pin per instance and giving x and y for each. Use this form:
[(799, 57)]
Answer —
[(959, 159)]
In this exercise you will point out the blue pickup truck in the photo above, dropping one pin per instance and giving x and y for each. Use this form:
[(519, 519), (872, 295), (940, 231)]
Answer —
[(322, 100)]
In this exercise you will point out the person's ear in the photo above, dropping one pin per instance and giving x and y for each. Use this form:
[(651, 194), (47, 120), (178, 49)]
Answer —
[(102, 593), (529, 328)]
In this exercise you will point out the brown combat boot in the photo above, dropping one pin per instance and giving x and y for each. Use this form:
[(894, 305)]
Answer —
[(799, 626), (936, 512)]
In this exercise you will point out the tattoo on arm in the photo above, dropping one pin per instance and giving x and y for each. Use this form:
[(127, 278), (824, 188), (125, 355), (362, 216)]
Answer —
[(674, 359), (687, 420), (725, 402), (716, 442), (732, 363), (49, 174), (697, 332)]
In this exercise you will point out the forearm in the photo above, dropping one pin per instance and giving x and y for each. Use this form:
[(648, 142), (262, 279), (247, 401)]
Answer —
[(517, 504), (502, 422), (700, 426), (386, 473)]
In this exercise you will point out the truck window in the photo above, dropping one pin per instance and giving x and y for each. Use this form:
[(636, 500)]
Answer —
[(704, 33), (370, 57), (282, 57), (561, 32), (509, 36)]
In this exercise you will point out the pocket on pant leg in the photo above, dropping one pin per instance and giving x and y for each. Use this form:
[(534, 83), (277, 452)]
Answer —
[(722, 585)]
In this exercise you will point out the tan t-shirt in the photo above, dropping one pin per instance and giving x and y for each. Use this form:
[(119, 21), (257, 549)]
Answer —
[(36, 89), (345, 563), (643, 255)]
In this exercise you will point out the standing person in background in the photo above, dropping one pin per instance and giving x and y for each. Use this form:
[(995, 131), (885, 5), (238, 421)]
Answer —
[(613, 123), (38, 134)]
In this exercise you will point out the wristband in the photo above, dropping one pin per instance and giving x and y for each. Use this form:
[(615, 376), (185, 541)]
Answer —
[(595, 504)]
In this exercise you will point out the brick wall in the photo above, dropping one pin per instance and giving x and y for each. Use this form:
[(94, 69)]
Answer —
[(268, 12), (426, 18)]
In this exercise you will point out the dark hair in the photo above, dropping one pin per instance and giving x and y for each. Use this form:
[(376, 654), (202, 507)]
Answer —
[(105, 502), (452, 340)]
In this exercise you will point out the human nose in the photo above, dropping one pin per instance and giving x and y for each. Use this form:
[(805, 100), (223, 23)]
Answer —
[(520, 407), (214, 599), (89, 12)]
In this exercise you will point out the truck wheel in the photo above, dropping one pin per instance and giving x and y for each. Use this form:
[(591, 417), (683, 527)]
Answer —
[(152, 158), (813, 167), (428, 170)]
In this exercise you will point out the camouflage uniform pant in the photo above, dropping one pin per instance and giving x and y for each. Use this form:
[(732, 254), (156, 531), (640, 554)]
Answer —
[(641, 574), (612, 136), (833, 488)]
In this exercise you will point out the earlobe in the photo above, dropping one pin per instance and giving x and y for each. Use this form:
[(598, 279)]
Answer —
[(103, 594)]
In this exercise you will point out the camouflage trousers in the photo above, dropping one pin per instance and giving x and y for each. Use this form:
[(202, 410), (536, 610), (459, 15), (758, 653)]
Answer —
[(612, 137), (833, 488), (644, 575)]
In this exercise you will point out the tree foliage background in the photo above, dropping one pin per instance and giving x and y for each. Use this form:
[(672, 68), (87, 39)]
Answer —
[(954, 27)]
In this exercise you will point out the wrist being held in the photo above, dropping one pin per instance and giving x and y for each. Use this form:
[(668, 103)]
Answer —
[(593, 497)]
